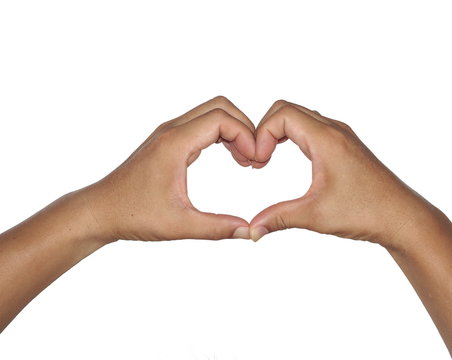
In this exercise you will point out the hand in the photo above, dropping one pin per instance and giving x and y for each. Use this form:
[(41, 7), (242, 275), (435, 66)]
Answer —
[(353, 195), (145, 198)]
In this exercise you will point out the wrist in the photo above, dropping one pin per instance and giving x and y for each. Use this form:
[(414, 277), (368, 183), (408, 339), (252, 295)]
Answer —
[(95, 230), (422, 229)]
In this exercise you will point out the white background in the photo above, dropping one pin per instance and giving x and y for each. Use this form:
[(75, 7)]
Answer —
[(83, 83)]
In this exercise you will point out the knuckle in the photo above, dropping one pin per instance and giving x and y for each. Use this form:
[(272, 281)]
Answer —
[(164, 126), (216, 114), (279, 103), (339, 137), (165, 135), (281, 222), (344, 125), (316, 112), (287, 109), (221, 101)]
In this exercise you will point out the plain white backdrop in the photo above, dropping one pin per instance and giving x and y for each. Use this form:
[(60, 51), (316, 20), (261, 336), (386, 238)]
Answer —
[(83, 83)]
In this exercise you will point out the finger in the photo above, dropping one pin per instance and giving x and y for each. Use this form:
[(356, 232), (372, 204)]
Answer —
[(216, 226), (206, 129), (241, 159), (288, 121), (258, 165), (277, 105), (315, 114), (296, 213), (220, 102), (281, 103)]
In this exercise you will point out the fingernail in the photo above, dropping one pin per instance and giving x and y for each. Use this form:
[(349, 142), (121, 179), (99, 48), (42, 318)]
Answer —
[(242, 232), (258, 232)]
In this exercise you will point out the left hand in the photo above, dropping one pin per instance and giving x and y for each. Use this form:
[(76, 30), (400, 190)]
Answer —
[(145, 198)]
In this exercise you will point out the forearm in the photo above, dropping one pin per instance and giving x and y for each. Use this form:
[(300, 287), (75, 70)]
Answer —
[(37, 251), (426, 260)]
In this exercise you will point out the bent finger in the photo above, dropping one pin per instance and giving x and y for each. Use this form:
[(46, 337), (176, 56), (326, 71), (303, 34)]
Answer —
[(220, 102), (206, 129), (288, 122), (281, 103)]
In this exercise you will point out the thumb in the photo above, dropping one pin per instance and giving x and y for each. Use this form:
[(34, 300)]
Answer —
[(284, 215), (211, 226)]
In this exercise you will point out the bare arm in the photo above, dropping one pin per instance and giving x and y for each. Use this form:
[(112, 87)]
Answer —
[(353, 195), (145, 198), (426, 259), (37, 251)]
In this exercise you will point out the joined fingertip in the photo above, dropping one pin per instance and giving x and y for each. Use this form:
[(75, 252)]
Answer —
[(258, 232), (242, 232), (258, 164)]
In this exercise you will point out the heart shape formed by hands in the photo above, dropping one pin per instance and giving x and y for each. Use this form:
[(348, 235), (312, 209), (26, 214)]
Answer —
[(347, 179), (276, 128), (146, 197), (216, 184), (266, 148)]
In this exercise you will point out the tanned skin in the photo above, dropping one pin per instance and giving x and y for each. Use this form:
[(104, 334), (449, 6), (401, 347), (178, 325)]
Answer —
[(353, 195)]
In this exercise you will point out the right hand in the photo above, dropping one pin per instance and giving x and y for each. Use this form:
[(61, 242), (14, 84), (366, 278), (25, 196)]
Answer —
[(353, 195)]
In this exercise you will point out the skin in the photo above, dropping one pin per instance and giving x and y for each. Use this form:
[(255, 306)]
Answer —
[(145, 198), (352, 195)]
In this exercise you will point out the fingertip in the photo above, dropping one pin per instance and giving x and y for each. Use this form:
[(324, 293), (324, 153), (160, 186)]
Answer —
[(275, 217), (242, 232), (246, 146), (213, 226), (246, 164), (265, 145), (257, 221), (236, 155), (259, 165), (258, 232)]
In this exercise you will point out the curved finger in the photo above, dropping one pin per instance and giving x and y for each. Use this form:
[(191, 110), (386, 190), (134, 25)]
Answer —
[(206, 129), (220, 102), (281, 103), (238, 157), (288, 122)]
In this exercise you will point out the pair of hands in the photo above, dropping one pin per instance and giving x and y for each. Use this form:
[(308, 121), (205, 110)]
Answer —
[(352, 194)]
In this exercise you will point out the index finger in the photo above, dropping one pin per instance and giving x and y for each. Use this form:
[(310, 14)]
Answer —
[(220, 102), (288, 121), (206, 129), (281, 103)]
